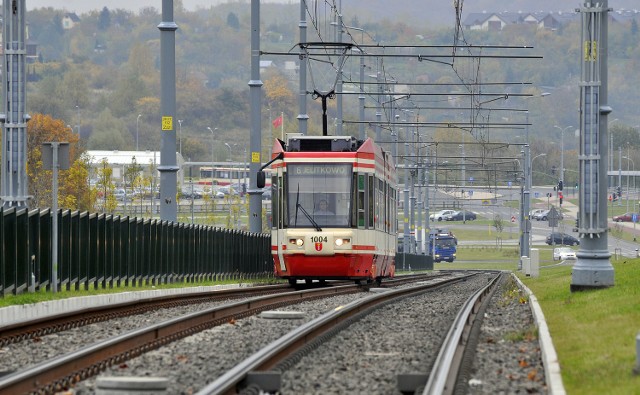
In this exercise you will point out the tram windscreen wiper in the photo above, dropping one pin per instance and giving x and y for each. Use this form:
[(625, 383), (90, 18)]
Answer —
[(306, 214)]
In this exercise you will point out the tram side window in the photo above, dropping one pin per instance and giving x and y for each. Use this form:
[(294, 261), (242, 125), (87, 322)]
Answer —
[(360, 204), (371, 186), (275, 212), (394, 210), (380, 204)]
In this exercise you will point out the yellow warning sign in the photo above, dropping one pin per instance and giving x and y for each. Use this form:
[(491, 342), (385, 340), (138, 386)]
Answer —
[(167, 123), (255, 157), (590, 51)]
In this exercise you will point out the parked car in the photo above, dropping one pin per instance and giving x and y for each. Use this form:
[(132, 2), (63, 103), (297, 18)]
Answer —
[(562, 239), (562, 253), (461, 215), (121, 195), (534, 212), (626, 217), (187, 194), (544, 215), (440, 215)]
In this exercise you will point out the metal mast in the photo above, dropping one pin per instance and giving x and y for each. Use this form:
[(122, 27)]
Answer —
[(303, 117), (168, 165), (14, 189), (255, 92), (593, 268)]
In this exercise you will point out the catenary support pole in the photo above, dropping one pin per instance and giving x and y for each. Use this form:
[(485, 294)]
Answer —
[(255, 91), (593, 269), (168, 163), (13, 180), (303, 117)]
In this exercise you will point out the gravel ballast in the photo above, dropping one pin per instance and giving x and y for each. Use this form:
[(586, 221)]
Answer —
[(365, 358)]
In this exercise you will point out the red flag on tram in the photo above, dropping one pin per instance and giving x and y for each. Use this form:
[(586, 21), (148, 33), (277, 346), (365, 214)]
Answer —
[(277, 122)]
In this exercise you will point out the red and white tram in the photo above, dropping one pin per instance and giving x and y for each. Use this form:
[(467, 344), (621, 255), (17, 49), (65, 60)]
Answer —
[(334, 209)]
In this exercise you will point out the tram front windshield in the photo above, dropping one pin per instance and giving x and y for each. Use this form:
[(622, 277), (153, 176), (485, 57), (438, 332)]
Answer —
[(318, 194)]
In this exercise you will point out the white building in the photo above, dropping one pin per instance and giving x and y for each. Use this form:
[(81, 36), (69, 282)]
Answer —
[(119, 160)]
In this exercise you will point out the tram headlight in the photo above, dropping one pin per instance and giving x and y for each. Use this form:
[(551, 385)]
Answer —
[(299, 242), (340, 241)]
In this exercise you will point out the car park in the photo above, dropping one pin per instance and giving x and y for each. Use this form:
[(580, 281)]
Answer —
[(559, 238), (440, 215), (563, 253), (461, 215), (626, 217)]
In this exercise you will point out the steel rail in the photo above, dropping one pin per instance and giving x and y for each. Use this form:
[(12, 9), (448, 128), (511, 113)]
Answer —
[(280, 349), (59, 373), (42, 326), (447, 364)]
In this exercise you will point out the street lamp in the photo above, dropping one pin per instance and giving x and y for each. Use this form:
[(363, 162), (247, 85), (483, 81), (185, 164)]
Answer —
[(562, 151), (629, 174), (212, 155), (137, 130), (180, 138), (78, 116), (526, 234)]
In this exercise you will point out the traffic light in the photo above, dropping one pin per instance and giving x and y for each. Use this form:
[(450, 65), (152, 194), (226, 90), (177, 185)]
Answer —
[(560, 185), (560, 197)]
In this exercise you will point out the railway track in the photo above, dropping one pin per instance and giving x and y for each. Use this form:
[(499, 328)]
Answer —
[(59, 373), (264, 371)]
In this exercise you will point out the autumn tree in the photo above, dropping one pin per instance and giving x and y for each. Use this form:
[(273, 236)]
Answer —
[(41, 129), (76, 192), (106, 186), (277, 92), (110, 133), (104, 20)]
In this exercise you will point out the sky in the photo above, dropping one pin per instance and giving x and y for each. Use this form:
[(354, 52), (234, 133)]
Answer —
[(82, 6)]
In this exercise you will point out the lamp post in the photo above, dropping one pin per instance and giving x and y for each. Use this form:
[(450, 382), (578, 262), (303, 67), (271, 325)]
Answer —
[(180, 138), (525, 225), (78, 116), (612, 179), (212, 146), (562, 130), (629, 160), (137, 130)]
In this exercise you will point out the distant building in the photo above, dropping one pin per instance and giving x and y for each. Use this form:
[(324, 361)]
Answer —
[(69, 20), (119, 160), (497, 21)]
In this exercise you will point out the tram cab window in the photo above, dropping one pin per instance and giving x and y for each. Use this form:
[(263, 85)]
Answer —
[(318, 193)]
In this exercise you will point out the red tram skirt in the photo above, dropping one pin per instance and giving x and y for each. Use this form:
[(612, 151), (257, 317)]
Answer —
[(338, 266)]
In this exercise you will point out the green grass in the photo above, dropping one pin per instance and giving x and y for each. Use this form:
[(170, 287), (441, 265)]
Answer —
[(593, 331), (489, 233)]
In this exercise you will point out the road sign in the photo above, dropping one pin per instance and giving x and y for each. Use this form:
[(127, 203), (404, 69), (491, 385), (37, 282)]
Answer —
[(553, 217), (513, 218), (634, 218)]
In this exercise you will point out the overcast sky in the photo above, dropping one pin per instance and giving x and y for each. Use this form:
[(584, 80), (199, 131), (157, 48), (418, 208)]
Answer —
[(82, 6)]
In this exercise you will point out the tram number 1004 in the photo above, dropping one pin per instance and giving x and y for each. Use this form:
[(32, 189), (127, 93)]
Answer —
[(319, 239)]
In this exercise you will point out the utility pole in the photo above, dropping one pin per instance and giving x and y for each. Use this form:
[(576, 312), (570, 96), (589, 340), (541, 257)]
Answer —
[(168, 163), (593, 269), (255, 144), (14, 189), (303, 117)]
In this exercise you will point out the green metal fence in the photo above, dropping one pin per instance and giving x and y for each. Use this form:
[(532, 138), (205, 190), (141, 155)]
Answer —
[(103, 251)]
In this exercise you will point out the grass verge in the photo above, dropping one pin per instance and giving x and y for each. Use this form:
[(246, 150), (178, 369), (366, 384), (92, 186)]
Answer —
[(593, 331)]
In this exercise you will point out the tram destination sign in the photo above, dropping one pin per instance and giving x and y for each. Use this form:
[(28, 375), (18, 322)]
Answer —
[(321, 169)]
